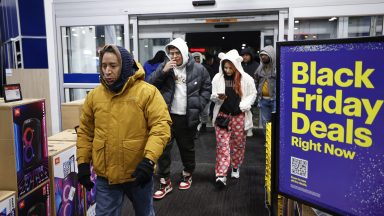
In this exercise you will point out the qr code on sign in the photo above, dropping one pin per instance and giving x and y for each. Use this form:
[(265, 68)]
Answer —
[(299, 167)]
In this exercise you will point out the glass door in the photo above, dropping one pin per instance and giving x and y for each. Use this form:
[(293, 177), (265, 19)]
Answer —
[(81, 45), (149, 44), (80, 40)]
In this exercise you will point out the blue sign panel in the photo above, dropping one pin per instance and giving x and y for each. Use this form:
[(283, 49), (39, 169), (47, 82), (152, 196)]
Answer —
[(331, 131)]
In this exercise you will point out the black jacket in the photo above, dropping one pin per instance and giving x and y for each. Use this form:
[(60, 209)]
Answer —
[(198, 88)]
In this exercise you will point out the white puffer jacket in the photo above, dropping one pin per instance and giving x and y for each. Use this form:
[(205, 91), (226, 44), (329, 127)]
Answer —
[(247, 87)]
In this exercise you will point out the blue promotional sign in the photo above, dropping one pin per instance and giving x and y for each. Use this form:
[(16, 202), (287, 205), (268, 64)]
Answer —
[(330, 128)]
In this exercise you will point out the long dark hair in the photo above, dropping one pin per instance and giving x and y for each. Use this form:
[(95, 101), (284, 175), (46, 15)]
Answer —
[(236, 80), (158, 58)]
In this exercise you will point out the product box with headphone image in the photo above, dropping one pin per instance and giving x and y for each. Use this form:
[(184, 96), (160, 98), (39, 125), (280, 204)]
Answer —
[(7, 203), (66, 194), (35, 202), (23, 145), (90, 196)]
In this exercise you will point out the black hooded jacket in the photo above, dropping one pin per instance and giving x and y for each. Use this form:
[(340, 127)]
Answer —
[(251, 66)]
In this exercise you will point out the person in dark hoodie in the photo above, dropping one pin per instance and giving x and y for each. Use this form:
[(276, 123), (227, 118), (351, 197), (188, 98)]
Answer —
[(186, 87), (153, 63), (123, 155), (249, 64), (265, 79)]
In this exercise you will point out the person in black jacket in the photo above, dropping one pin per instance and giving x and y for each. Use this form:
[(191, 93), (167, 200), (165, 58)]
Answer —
[(249, 64), (186, 88)]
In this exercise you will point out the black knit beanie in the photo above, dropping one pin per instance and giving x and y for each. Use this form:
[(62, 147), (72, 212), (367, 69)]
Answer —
[(128, 68)]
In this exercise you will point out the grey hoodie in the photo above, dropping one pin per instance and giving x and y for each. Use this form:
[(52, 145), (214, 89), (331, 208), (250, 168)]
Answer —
[(267, 72)]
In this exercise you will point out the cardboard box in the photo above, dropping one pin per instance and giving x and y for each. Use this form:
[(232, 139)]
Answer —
[(7, 203), (35, 202), (66, 193), (67, 135), (23, 145), (70, 114)]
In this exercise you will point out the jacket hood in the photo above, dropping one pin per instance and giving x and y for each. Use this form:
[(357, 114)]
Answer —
[(270, 51), (198, 54), (183, 48), (232, 56), (128, 68), (248, 50)]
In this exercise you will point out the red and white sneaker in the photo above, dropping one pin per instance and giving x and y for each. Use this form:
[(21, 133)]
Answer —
[(186, 181), (164, 188)]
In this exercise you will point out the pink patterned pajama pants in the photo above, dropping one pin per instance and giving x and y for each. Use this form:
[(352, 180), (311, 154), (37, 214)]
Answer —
[(230, 145)]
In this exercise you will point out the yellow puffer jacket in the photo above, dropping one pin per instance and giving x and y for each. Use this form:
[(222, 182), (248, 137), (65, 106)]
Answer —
[(117, 130)]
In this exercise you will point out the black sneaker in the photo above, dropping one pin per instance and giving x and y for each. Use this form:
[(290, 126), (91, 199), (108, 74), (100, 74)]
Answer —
[(203, 127), (221, 182), (197, 135)]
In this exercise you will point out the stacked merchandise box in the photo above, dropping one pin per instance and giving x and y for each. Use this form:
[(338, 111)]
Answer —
[(35, 202), (7, 203), (70, 114), (90, 196), (66, 135), (23, 145), (66, 193)]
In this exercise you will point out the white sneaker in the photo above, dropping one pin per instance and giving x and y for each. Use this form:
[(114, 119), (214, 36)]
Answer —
[(235, 173), (249, 133), (221, 181)]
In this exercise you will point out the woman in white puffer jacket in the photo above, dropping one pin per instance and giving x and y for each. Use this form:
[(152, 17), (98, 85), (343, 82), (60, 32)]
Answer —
[(233, 92)]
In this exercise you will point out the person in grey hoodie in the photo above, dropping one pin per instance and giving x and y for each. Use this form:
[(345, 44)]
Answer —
[(186, 88), (265, 79)]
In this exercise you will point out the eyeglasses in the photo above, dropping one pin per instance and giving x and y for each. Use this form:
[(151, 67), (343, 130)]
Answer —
[(174, 54)]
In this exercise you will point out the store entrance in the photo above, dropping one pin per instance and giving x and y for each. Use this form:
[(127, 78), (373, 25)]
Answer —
[(216, 42)]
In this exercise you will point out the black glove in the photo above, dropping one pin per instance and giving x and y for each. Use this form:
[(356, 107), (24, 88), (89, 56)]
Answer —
[(143, 172), (84, 176)]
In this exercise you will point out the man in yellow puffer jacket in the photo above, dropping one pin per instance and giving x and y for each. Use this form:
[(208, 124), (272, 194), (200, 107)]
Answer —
[(124, 128)]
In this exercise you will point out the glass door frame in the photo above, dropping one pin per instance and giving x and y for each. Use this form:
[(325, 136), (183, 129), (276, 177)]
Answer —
[(341, 11), (83, 21), (278, 33)]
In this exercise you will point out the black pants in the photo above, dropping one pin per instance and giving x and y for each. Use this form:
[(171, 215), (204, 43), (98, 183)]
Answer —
[(184, 137)]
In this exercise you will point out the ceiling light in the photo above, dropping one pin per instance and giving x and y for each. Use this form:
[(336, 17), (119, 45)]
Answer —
[(223, 38), (332, 19), (297, 21)]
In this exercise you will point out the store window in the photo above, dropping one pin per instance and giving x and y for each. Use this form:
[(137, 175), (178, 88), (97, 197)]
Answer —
[(149, 46), (379, 26), (72, 94), (359, 26), (365, 26), (81, 45), (313, 29)]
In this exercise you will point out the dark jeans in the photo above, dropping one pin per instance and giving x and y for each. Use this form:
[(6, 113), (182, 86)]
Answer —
[(267, 107), (109, 198), (184, 137)]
